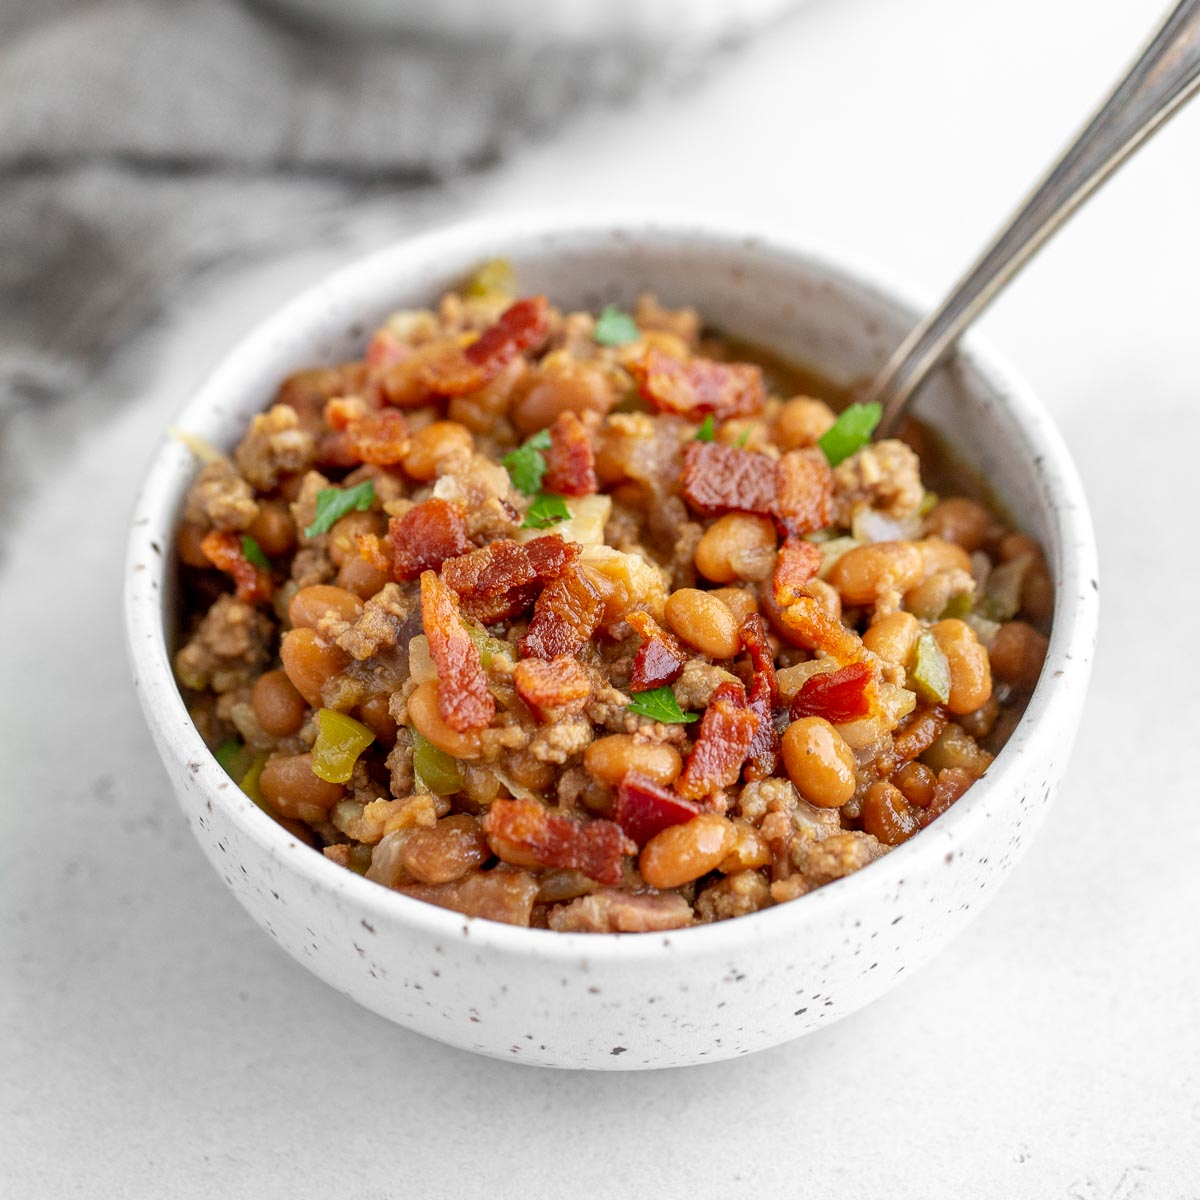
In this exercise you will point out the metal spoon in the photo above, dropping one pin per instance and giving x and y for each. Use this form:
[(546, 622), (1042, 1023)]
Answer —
[(1160, 81)]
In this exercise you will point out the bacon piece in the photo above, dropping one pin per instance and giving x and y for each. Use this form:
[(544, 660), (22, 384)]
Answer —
[(224, 551), (501, 580), (556, 688), (659, 660), (812, 626), (698, 386), (838, 696), (566, 614), (522, 326), (762, 758), (463, 697), (797, 566), (519, 830), (918, 732), (726, 732), (570, 460), (341, 410), (375, 551), (720, 479), (378, 438), (645, 808), (951, 783), (803, 492), (427, 535)]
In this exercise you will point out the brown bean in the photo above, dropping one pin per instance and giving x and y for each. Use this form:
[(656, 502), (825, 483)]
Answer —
[(426, 718), (893, 637), (862, 574), (309, 662), (737, 546), (309, 605), (274, 528), (970, 672), (1017, 653), (702, 621), (342, 545), (886, 815), (278, 707), (292, 790), (802, 421), (562, 385), (447, 851), (818, 762), (360, 577), (961, 521), (750, 850), (438, 443), (940, 555), (680, 853), (917, 782), (611, 758), (739, 601), (187, 542), (376, 714)]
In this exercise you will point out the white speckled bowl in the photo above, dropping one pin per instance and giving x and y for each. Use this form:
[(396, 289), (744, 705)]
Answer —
[(634, 1000)]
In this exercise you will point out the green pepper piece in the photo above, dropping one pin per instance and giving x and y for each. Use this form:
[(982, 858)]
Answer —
[(487, 645), (249, 781), (850, 432), (957, 607), (494, 278), (340, 740), (435, 770), (929, 675)]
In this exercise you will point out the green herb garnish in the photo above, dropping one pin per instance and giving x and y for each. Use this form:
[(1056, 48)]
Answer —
[(850, 432), (615, 328), (659, 704), (335, 503), (548, 509), (526, 465), (745, 437), (253, 553), (707, 430)]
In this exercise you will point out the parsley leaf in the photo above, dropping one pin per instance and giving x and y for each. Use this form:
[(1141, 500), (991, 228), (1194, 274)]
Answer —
[(545, 511), (659, 704), (526, 465), (707, 430), (335, 503), (615, 328), (850, 432), (254, 553)]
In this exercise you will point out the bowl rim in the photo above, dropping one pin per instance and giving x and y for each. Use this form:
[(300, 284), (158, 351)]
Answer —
[(1073, 629)]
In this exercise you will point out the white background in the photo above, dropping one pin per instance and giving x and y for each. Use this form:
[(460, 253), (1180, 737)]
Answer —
[(155, 1043)]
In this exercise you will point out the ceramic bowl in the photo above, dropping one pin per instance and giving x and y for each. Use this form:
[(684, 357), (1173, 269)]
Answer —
[(635, 1000)]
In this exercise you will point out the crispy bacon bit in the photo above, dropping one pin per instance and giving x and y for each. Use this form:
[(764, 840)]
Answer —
[(720, 479), (645, 808), (552, 689), (726, 733), (813, 627), (804, 492), (570, 461), (797, 566), (522, 326), (427, 535), (918, 732), (378, 438), (342, 410), (698, 386), (463, 697), (951, 783), (519, 830), (838, 696), (501, 580), (762, 758), (224, 551), (566, 614), (378, 553), (659, 660)]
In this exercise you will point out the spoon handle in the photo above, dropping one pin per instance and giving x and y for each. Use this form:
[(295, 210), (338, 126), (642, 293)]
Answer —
[(1159, 82)]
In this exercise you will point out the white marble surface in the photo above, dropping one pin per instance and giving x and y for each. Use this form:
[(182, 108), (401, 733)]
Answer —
[(156, 1044)]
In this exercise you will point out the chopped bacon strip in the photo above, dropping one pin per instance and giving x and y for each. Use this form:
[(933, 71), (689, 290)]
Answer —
[(762, 759), (918, 732), (566, 614), (555, 688), (645, 808), (427, 535), (570, 460), (812, 626), (698, 386), (838, 696), (803, 492), (951, 783), (501, 580), (659, 660), (519, 830), (375, 551), (224, 551), (720, 479), (463, 697), (726, 733), (797, 566), (341, 410), (522, 326), (378, 438)]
